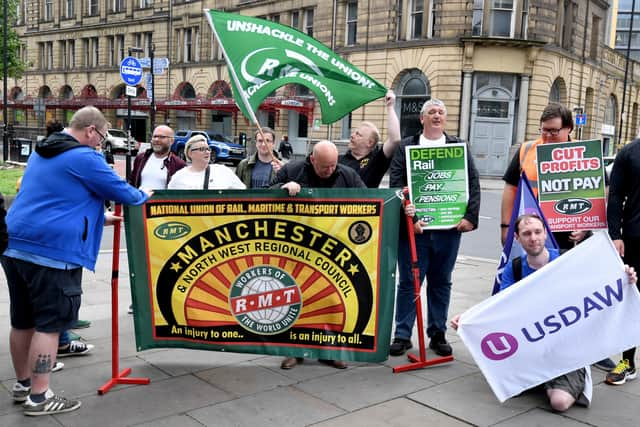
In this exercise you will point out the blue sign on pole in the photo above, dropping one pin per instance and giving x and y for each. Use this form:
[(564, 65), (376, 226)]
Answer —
[(581, 119), (130, 71)]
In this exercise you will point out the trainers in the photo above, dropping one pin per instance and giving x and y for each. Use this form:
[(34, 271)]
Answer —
[(52, 405), (605, 365), (20, 393), (57, 367), (621, 373), (81, 324), (75, 348), (440, 345), (130, 311), (399, 346)]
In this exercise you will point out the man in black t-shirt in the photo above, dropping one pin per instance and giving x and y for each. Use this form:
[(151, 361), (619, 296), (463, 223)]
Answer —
[(364, 155)]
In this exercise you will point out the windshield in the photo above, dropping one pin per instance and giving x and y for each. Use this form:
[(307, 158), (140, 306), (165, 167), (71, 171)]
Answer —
[(219, 137), (117, 132)]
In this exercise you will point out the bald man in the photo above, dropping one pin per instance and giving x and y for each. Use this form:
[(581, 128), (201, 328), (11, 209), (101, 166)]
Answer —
[(154, 168), (320, 170)]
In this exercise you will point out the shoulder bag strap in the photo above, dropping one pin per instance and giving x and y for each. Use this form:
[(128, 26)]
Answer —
[(207, 172)]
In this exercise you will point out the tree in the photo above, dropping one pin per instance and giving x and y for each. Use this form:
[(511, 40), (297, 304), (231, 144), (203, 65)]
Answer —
[(15, 65)]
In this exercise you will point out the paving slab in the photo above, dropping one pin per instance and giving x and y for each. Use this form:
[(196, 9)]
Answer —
[(480, 404), (363, 386), (399, 412), (246, 378), (284, 406), (134, 405), (540, 418)]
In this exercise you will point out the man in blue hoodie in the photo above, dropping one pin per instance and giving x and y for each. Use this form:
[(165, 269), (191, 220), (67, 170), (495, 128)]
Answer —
[(55, 227)]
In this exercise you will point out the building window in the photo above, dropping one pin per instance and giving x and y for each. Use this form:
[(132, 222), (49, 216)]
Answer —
[(92, 7), (502, 18), (566, 25), (19, 14), (120, 48), (148, 43), (275, 18), (398, 19), (416, 19), (49, 49), (295, 19), (118, 6), (188, 45), (72, 53), (62, 44), (476, 22), (95, 52), (85, 50), (557, 91), (69, 9), (524, 25), (308, 22), (352, 22), (145, 4), (595, 37), (414, 91), (111, 51), (48, 10)]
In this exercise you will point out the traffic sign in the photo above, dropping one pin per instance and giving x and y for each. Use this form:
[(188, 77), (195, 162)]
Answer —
[(130, 71), (581, 119), (149, 85), (131, 91), (161, 62)]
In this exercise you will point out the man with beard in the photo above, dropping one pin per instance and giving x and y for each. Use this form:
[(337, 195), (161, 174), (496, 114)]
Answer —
[(154, 168)]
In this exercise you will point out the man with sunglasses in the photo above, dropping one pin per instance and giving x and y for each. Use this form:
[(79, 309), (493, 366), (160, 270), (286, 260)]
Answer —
[(154, 167), (556, 124), (55, 226)]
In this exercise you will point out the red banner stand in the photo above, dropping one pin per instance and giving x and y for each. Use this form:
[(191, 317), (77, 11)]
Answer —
[(117, 377), (415, 361)]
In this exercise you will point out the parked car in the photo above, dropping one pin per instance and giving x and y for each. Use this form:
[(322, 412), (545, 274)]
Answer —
[(222, 148), (116, 140)]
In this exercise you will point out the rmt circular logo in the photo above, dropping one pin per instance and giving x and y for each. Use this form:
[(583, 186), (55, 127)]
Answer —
[(498, 345), (265, 300)]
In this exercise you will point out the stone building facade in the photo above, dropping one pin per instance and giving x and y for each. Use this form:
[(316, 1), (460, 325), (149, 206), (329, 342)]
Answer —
[(495, 63)]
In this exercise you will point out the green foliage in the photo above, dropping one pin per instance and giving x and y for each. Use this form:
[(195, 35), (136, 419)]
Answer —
[(8, 178), (15, 66)]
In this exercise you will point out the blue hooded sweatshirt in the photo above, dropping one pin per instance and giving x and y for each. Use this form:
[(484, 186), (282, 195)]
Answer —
[(59, 210)]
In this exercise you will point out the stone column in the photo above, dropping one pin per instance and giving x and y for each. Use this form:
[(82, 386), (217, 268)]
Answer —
[(521, 124), (465, 107)]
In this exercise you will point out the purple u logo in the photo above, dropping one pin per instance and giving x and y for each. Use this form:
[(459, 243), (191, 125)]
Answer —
[(498, 345)]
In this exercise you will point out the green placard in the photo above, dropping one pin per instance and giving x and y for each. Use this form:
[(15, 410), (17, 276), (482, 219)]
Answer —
[(438, 183), (258, 272)]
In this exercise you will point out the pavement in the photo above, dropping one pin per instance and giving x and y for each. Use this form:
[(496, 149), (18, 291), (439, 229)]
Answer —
[(204, 388)]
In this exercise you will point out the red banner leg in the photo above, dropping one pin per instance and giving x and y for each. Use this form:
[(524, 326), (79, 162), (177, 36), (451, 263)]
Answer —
[(415, 361), (117, 377)]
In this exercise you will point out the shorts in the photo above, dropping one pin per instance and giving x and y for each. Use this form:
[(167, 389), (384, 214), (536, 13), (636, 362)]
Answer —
[(573, 383), (44, 298)]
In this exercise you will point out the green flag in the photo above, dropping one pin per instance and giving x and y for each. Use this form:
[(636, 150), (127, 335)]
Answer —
[(263, 56)]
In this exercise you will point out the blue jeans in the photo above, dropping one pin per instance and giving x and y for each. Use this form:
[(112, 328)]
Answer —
[(437, 252), (64, 339)]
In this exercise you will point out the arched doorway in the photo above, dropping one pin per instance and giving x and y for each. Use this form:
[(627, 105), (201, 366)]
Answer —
[(492, 116), (185, 119), (138, 118), (413, 91), (66, 94), (221, 121), (16, 94)]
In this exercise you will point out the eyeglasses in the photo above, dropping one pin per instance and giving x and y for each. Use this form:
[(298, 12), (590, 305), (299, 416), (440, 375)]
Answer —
[(551, 132), (201, 149), (102, 137), (161, 137)]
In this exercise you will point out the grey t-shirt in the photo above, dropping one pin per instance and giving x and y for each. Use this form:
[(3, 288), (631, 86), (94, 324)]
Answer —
[(261, 174)]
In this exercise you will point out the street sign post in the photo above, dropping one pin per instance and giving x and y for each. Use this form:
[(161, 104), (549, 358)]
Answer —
[(130, 71)]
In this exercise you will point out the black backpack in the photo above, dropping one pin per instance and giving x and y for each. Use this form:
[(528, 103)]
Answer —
[(516, 264)]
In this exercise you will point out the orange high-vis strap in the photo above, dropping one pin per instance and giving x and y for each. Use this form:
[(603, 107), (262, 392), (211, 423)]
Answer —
[(528, 163)]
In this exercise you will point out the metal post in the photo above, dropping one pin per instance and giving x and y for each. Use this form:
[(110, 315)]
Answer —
[(128, 156), (153, 92), (5, 136), (626, 73)]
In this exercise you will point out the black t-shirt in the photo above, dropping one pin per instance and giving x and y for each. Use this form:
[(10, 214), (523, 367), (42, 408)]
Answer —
[(512, 176), (371, 168)]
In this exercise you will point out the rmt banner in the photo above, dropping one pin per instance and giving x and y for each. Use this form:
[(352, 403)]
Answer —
[(565, 316), (256, 272), (571, 185)]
